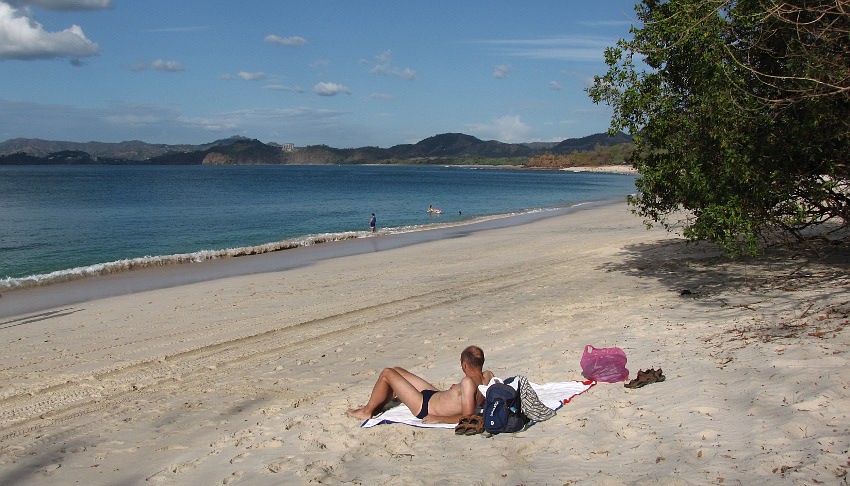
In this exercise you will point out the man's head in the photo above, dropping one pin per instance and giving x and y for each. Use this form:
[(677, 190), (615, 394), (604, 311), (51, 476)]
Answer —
[(473, 357)]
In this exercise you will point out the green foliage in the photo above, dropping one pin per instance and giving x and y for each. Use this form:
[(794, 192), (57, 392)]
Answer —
[(599, 156), (738, 114)]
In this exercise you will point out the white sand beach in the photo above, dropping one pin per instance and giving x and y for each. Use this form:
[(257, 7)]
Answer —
[(247, 379), (608, 169)]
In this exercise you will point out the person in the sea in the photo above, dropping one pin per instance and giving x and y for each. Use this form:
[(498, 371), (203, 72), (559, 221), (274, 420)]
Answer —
[(423, 399), (372, 222)]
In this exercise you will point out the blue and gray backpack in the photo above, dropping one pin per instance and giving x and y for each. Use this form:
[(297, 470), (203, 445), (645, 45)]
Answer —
[(502, 410)]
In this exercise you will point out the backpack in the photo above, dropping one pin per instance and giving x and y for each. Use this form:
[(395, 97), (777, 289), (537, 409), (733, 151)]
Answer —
[(502, 410)]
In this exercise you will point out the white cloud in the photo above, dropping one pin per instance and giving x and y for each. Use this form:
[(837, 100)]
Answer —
[(330, 89), (110, 124), (293, 41), (383, 64), (508, 128), (22, 38), (282, 87), (178, 30), (160, 65), (132, 119), (501, 71), (575, 48), (168, 124), (64, 4), (587, 81), (254, 76), (251, 76), (167, 66), (554, 85), (303, 126)]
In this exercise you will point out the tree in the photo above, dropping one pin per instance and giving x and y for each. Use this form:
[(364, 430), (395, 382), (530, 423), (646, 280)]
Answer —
[(740, 114)]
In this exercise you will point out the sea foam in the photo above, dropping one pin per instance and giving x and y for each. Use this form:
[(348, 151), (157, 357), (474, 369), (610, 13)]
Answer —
[(130, 264)]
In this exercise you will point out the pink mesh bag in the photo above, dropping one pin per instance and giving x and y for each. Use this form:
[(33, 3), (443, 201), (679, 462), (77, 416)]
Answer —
[(604, 364)]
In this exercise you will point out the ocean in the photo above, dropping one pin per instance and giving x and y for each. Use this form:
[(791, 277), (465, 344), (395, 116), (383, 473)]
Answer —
[(62, 222)]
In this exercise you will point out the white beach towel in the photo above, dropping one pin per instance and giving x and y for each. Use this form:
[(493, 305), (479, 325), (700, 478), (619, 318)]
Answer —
[(554, 395)]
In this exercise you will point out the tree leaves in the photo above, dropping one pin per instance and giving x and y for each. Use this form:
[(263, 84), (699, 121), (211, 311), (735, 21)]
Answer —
[(740, 113)]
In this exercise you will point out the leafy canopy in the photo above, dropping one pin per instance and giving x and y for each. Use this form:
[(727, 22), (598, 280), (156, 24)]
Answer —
[(740, 113)]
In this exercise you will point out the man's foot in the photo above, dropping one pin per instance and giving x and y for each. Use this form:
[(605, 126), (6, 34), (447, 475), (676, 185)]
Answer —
[(359, 413)]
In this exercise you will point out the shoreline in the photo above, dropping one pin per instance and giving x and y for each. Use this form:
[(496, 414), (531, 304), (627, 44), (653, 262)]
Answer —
[(122, 278), (606, 169), (53, 261), (247, 378)]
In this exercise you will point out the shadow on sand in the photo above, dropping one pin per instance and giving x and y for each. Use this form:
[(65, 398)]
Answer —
[(701, 270), (791, 291)]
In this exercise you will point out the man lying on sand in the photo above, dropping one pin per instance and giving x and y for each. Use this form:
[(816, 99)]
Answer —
[(433, 406)]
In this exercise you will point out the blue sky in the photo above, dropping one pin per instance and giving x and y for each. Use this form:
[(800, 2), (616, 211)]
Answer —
[(345, 74)]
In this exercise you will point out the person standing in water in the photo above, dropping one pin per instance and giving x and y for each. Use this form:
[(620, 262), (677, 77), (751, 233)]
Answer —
[(372, 222)]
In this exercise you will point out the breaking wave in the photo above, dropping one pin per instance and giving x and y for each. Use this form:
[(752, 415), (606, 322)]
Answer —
[(118, 266)]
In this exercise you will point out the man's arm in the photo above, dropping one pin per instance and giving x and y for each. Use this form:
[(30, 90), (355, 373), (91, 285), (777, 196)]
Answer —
[(441, 419)]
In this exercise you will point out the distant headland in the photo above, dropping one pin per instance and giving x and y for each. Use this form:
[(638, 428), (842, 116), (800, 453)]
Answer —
[(444, 149)]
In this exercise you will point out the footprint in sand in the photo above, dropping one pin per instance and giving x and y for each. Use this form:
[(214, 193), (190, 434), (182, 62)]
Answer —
[(290, 423), (267, 444), (172, 448), (369, 372), (236, 476), (317, 471), (240, 458), (169, 473), (270, 410), (331, 439), (311, 443), (284, 464)]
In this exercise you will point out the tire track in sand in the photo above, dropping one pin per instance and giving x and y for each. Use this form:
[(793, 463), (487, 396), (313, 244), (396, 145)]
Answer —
[(31, 413)]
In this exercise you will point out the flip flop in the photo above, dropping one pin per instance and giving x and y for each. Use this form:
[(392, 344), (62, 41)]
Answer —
[(645, 378), (659, 377), (475, 425), (462, 425), (470, 425)]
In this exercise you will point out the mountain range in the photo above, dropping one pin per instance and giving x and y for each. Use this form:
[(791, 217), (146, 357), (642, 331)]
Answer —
[(443, 148)]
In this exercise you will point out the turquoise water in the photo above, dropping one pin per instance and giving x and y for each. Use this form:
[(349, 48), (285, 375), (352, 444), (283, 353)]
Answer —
[(61, 221)]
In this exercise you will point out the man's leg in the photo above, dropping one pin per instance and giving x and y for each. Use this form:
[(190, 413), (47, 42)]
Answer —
[(414, 380), (393, 382)]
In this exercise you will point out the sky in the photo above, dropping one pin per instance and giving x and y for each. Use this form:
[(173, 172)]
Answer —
[(307, 72)]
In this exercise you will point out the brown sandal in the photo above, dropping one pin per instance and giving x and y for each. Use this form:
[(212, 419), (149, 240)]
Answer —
[(646, 377), (470, 425)]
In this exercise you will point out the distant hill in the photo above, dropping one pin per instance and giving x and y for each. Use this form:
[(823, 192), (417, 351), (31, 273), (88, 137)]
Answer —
[(130, 150), (458, 145), (439, 149), (589, 143), (540, 145), (244, 152)]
